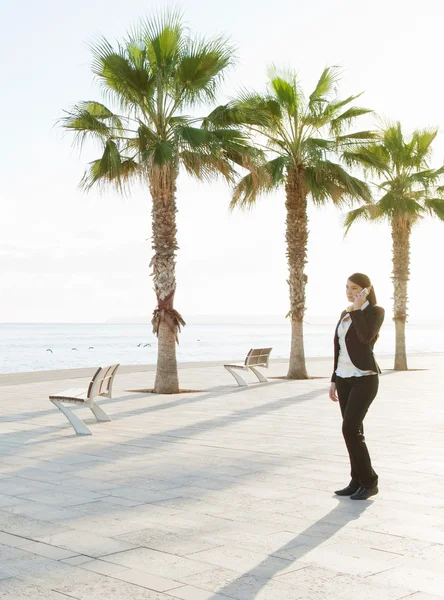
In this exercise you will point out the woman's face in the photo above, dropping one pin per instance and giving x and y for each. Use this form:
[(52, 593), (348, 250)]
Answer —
[(352, 290)]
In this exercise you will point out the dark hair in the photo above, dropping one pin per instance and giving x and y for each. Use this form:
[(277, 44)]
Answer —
[(364, 282)]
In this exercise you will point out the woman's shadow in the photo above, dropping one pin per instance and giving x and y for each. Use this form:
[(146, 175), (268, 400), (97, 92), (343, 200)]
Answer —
[(249, 584)]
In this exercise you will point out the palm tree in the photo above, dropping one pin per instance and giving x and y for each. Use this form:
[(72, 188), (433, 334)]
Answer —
[(409, 191), (152, 79), (304, 136)]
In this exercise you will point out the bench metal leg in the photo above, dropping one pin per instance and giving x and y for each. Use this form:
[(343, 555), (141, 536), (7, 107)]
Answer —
[(99, 413), (259, 375), (241, 382), (79, 426)]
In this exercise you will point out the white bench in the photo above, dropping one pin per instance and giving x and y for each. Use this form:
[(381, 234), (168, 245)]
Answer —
[(257, 357), (101, 385)]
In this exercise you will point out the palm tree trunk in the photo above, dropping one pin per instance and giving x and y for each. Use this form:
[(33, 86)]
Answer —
[(166, 320), (296, 237), (401, 229)]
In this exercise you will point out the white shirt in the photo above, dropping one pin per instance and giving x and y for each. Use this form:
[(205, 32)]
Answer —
[(345, 366)]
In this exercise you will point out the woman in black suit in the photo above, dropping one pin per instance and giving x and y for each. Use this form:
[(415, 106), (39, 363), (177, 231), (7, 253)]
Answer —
[(355, 379)]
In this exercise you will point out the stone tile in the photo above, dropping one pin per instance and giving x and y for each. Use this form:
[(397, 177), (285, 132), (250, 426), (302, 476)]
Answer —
[(276, 544), (319, 582), (144, 495), (109, 589), (410, 530), (7, 539), (117, 501), (8, 500), (26, 527), (13, 589), (48, 551), (77, 560), (61, 498), (45, 572), (384, 542), (19, 486), (101, 567), (147, 580), (35, 510), (9, 552), (180, 542), (242, 560), (154, 562), (365, 564), (188, 592), (241, 586), (85, 543), (421, 596), (106, 527), (414, 579)]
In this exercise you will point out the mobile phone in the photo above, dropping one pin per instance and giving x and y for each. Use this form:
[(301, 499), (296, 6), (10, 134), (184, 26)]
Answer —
[(365, 292)]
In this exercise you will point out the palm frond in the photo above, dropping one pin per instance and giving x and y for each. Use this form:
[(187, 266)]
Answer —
[(346, 119), (85, 125), (358, 139), (193, 137), (249, 109), (260, 180), (162, 37), (435, 207), (428, 177), (132, 87), (327, 180), (363, 213), (237, 148), (111, 168), (422, 141), (326, 85), (402, 154), (226, 115), (202, 67), (163, 152), (285, 91), (392, 205), (206, 167), (316, 149), (334, 107), (373, 158), (144, 141)]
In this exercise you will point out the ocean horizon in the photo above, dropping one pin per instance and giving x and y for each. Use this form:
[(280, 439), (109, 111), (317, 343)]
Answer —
[(26, 347)]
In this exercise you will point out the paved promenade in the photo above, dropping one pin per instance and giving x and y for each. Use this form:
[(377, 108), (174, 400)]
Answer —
[(221, 494)]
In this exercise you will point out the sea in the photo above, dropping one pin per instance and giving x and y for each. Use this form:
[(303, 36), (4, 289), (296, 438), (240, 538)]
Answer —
[(39, 347)]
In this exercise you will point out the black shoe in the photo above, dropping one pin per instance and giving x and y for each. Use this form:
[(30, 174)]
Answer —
[(349, 490), (364, 493)]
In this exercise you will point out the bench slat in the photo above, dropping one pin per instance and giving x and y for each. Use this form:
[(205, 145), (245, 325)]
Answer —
[(71, 395)]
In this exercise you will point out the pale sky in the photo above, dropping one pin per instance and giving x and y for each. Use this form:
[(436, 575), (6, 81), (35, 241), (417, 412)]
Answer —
[(67, 256)]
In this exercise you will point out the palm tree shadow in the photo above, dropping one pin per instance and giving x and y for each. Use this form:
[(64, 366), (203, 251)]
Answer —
[(248, 585)]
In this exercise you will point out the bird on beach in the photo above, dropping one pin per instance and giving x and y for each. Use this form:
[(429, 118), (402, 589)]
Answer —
[(49, 350), (147, 345), (74, 349), (91, 348)]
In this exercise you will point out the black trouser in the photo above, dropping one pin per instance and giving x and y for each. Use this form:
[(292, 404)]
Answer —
[(355, 396)]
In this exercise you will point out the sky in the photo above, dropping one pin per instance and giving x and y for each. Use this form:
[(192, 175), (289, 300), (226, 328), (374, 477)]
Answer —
[(67, 256)]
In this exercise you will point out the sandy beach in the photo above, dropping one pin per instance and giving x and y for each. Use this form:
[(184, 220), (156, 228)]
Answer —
[(222, 493)]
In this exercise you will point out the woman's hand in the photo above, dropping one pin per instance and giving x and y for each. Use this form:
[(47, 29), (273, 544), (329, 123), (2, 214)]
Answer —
[(332, 393), (360, 299)]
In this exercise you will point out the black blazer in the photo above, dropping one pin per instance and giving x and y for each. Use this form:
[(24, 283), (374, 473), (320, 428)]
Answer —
[(361, 337)]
